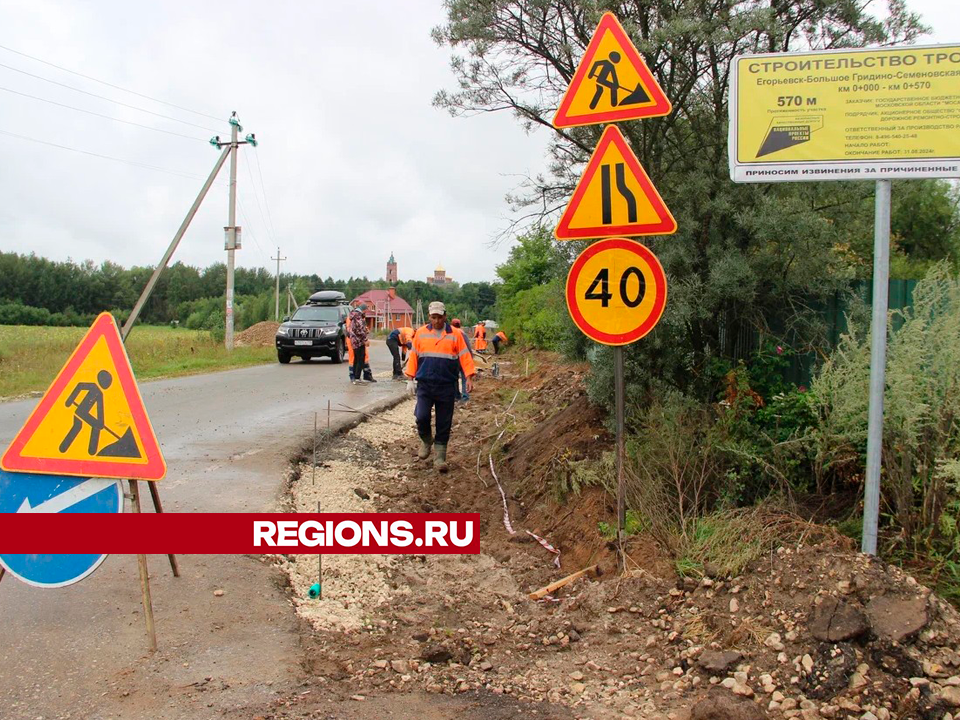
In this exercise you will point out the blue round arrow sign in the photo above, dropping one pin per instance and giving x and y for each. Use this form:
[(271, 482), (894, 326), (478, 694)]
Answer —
[(26, 492)]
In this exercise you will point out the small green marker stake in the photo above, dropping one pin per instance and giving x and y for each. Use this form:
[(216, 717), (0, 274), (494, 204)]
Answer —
[(314, 591)]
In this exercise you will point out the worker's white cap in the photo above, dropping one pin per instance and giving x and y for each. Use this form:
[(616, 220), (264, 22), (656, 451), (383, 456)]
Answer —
[(437, 308)]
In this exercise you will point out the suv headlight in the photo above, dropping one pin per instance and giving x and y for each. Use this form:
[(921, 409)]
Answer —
[(282, 330), (329, 331)]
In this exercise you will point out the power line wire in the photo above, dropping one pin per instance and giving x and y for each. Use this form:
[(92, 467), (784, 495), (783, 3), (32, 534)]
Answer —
[(247, 224), (101, 115), (256, 196), (104, 82), (263, 189), (103, 97), (104, 157)]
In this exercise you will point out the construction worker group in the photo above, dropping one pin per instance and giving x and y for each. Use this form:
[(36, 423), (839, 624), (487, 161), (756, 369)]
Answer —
[(439, 369)]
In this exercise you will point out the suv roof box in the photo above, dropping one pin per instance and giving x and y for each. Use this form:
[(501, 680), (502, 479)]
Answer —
[(327, 296)]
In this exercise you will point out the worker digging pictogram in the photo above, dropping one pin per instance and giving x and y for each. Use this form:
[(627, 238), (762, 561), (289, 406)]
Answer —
[(89, 411), (91, 422), (612, 83), (604, 73)]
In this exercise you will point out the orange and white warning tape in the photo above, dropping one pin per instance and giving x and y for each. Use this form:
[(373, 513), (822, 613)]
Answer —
[(509, 526), (503, 496), (548, 546)]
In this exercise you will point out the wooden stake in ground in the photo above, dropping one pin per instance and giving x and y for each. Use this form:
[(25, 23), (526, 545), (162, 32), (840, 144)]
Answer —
[(144, 576), (554, 586), (319, 566), (155, 494)]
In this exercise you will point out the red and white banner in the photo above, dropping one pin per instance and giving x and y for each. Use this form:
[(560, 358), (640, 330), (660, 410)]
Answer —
[(241, 533)]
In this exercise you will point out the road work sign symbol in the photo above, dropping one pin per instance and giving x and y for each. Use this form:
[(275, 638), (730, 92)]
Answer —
[(614, 196), (612, 82), (24, 493), (91, 421), (616, 291)]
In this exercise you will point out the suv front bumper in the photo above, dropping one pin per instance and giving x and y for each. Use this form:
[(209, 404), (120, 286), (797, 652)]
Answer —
[(307, 346)]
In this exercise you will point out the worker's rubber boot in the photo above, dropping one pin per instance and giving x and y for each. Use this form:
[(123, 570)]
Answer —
[(426, 443), (440, 461)]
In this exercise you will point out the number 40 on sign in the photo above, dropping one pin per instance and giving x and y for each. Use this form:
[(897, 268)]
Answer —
[(616, 291)]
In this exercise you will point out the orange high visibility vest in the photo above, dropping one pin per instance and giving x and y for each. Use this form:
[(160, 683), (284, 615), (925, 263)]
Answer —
[(439, 355), (480, 337)]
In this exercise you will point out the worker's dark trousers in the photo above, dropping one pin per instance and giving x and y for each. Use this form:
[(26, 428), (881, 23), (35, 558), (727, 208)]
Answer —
[(394, 345), (441, 396), (359, 358), (496, 346)]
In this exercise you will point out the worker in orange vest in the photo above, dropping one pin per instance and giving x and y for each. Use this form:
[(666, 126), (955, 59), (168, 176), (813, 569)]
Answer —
[(464, 394), (480, 337), (438, 355), (498, 339), (399, 338), (367, 372)]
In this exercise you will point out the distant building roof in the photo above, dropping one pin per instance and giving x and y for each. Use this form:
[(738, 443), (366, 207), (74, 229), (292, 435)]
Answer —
[(439, 269), (372, 297), (391, 257)]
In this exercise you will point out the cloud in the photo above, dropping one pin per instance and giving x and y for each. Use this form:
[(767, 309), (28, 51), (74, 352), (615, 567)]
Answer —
[(356, 162)]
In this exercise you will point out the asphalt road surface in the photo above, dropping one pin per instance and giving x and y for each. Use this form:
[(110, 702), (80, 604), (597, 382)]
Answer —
[(81, 651)]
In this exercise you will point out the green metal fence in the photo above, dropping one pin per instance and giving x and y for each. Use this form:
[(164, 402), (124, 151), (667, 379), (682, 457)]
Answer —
[(834, 313)]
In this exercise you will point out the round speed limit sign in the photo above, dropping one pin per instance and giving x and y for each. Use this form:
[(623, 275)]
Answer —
[(616, 291)]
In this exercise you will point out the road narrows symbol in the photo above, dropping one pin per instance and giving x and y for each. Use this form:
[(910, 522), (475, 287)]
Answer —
[(596, 211)]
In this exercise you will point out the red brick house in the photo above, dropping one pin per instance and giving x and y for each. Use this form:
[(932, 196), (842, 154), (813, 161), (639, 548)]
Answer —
[(385, 309)]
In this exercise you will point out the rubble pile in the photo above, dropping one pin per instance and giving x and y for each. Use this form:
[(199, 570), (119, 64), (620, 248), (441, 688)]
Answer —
[(262, 334)]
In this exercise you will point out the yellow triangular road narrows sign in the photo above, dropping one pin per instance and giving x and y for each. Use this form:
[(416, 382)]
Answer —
[(614, 196)]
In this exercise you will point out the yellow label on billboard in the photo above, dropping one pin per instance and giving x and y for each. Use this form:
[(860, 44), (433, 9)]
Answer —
[(846, 115)]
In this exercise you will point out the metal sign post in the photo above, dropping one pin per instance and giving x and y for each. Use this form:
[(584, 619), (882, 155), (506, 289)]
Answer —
[(616, 289), (619, 389), (817, 130), (616, 292), (878, 365)]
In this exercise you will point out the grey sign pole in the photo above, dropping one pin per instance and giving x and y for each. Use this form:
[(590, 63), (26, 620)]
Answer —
[(621, 451), (878, 361)]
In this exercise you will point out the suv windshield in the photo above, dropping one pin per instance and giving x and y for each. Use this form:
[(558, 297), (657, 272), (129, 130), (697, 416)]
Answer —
[(316, 313)]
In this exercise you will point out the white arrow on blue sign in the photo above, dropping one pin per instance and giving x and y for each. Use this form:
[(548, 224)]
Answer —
[(26, 492)]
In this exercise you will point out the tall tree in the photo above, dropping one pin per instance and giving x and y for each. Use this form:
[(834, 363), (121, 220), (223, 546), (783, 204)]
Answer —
[(745, 256)]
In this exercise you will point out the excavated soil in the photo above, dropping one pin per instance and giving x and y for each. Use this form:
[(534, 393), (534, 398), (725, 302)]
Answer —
[(810, 631), (263, 334)]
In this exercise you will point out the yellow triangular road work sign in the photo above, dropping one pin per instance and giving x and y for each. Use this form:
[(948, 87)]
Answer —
[(614, 196), (91, 422), (612, 82)]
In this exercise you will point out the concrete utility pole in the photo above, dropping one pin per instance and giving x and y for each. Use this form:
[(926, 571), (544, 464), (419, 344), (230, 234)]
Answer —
[(232, 231), (145, 295), (276, 294)]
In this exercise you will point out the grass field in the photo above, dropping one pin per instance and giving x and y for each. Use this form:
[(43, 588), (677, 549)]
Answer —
[(30, 357)]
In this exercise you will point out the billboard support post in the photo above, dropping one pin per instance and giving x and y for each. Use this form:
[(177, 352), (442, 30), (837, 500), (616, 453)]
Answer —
[(878, 362)]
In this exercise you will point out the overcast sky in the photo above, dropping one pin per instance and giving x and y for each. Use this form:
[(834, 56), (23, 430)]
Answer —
[(355, 160)]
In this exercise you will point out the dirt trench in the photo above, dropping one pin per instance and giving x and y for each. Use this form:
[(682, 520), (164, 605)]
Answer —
[(447, 636)]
